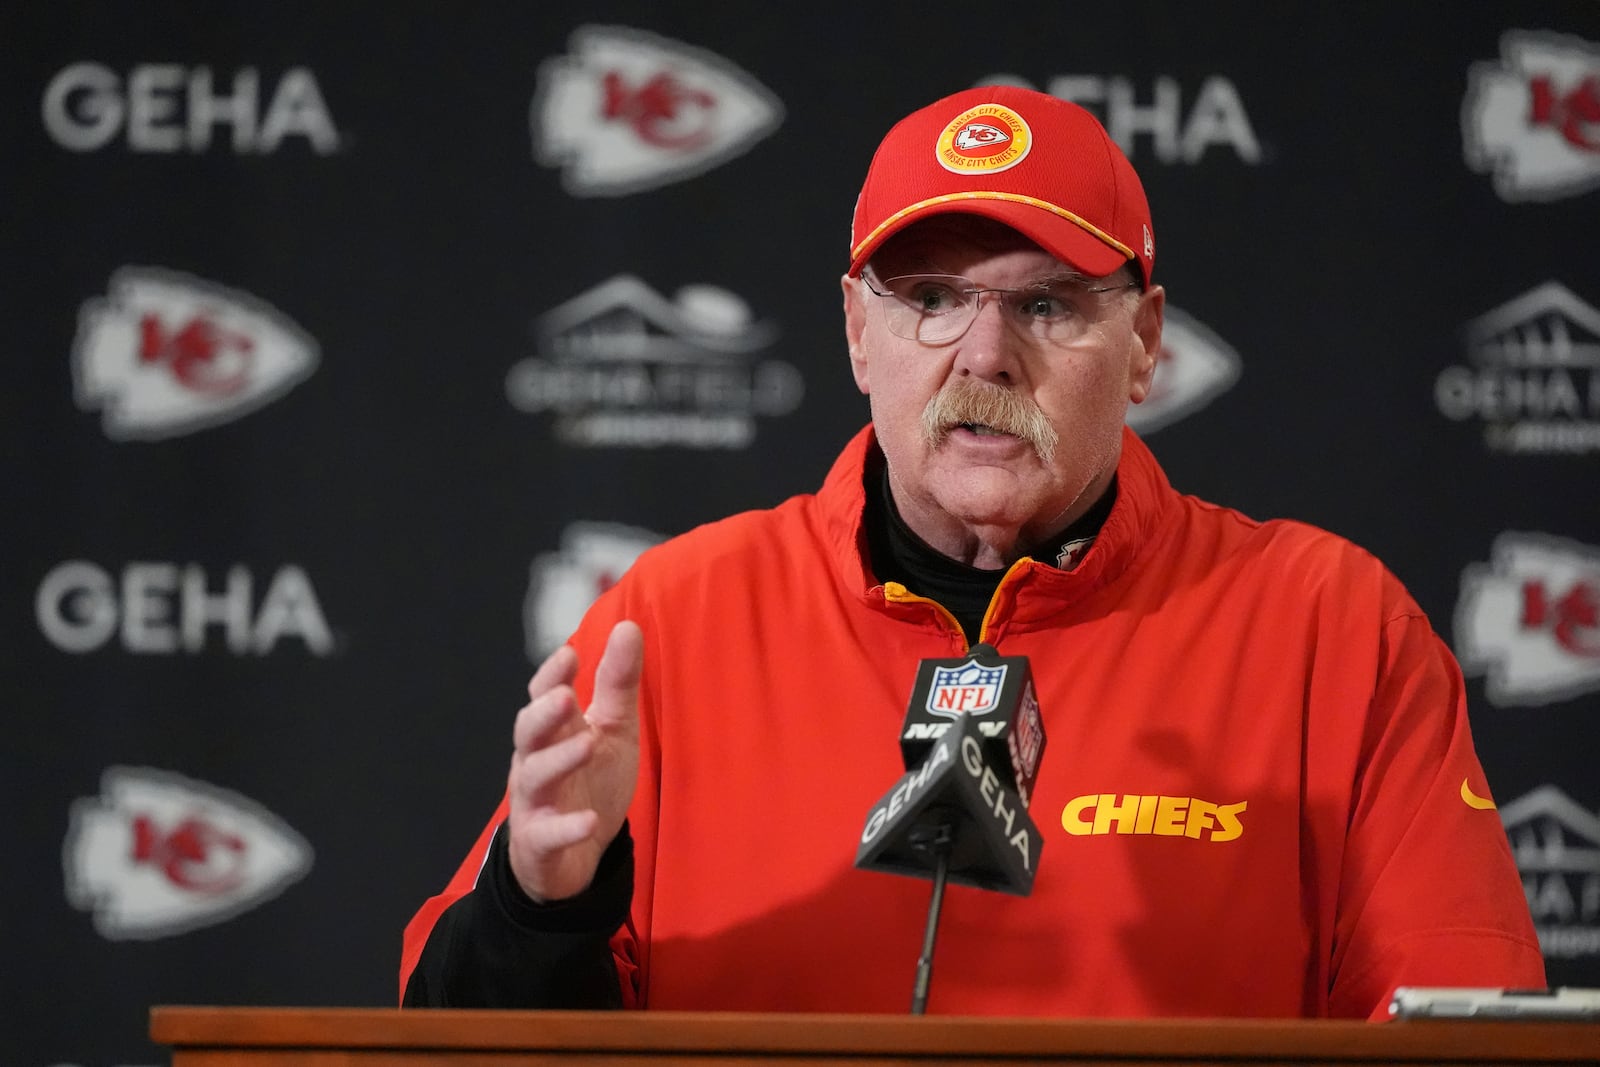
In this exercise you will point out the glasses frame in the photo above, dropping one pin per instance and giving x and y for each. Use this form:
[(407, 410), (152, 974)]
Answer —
[(973, 291)]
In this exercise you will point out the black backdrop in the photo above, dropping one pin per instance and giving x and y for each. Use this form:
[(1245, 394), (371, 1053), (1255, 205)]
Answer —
[(352, 347)]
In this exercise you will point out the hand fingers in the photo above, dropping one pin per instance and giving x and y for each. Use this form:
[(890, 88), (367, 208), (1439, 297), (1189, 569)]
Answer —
[(535, 774), (558, 668), (616, 679), (546, 719)]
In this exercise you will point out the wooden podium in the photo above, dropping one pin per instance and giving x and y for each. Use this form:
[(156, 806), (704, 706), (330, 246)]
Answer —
[(366, 1037)]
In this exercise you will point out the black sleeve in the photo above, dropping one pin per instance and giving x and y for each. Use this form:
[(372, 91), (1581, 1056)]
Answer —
[(496, 948)]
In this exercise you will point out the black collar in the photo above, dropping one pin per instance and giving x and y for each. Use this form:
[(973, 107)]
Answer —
[(899, 555)]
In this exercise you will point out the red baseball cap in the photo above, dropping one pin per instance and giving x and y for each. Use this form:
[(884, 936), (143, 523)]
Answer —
[(1036, 163)]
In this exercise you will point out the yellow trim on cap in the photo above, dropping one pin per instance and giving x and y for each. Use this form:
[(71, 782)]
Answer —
[(1014, 198)]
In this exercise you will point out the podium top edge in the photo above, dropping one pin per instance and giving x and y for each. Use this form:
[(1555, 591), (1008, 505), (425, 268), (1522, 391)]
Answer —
[(782, 1035)]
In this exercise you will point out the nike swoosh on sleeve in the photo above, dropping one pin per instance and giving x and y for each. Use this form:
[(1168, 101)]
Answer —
[(1473, 800)]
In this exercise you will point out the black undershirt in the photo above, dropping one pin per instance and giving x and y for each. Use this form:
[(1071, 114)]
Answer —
[(899, 555)]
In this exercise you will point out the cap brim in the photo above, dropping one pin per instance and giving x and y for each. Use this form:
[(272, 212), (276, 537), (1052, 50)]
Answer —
[(1064, 239)]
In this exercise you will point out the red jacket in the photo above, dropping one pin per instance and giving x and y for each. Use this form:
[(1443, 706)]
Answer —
[(1259, 795)]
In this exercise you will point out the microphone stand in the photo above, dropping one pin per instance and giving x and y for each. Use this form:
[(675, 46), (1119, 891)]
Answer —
[(937, 840)]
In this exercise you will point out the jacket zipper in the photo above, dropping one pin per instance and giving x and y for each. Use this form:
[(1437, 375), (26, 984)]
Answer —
[(899, 594)]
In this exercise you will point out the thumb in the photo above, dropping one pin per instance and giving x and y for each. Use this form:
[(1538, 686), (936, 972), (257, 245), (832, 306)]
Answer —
[(616, 679)]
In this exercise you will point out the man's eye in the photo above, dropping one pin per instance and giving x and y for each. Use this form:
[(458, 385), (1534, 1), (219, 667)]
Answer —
[(1043, 306), (934, 299)]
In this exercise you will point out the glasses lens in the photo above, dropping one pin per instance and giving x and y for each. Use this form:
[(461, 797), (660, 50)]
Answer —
[(928, 307)]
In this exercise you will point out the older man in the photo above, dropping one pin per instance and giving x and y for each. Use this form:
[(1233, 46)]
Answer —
[(1260, 798)]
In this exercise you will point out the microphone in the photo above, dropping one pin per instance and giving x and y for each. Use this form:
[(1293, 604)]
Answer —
[(998, 691), (972, 740)]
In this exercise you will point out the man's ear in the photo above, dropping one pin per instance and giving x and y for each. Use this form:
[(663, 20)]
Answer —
[(1148, 318), (855, 323)]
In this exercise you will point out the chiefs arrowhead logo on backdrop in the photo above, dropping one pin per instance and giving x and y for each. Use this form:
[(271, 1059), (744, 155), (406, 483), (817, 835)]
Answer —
[(1532, 119), (1195, 366), (627, 111), (165, 354), (1530, 619), (562, 584), (156, 854)]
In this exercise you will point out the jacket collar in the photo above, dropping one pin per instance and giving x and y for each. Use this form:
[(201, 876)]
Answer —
[(1143, 497)]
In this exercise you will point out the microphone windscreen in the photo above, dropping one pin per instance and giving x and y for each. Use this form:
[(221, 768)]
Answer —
[(997, 692)]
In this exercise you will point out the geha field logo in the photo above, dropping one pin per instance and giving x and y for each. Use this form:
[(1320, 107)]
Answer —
[(1556, 843), (622, 366), (165, 354), (627, 111), (1531, 376), (157, 854)]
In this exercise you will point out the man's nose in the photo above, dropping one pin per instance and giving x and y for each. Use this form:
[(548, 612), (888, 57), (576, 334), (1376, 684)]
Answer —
[(989, 348)]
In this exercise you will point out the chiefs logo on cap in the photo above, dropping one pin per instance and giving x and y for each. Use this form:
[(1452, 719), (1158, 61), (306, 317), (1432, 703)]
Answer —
[(985, 139)]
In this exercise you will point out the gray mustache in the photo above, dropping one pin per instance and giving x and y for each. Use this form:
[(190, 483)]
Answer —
[(978, 403)]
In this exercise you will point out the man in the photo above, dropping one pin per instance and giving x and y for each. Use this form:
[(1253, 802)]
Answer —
[(1260, 795)]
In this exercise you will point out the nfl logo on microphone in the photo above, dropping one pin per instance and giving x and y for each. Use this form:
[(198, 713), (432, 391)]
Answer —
[(970, 689)]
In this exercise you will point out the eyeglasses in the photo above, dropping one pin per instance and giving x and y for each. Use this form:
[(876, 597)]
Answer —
[(936, 309)]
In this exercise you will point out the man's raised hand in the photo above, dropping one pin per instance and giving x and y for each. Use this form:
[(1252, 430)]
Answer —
[(573, 772)]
